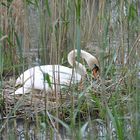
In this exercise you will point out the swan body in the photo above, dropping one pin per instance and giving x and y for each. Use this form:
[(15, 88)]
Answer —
[(58, 75)]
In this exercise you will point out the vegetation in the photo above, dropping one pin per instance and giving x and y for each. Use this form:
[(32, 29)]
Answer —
[(43, 32)]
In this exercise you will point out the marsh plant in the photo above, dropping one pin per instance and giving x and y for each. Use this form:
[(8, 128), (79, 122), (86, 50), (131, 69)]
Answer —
[(43, 32)]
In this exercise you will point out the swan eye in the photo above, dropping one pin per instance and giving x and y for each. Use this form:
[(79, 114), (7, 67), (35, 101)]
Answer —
[(95, 71)]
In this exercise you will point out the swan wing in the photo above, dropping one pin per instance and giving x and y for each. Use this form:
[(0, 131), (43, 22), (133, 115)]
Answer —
[(62, 74), (33, 78)]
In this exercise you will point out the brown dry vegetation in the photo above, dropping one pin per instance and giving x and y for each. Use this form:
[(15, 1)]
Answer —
[(43, 32)]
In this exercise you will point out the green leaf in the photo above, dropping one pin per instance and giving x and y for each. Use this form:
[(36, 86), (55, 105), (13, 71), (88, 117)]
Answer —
[(19, 44), (132, 12), (48, 8), (1, 59), (59, 121), (116, 122), (47, 78)]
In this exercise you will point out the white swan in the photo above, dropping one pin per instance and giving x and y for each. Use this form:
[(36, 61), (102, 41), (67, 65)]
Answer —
[(44, 77)]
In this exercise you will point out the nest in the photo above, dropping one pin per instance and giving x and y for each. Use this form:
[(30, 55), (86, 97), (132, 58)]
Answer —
[(40, 101), (33, 103)]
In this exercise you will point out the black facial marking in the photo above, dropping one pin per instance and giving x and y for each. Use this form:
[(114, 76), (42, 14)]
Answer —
[(95, 67)]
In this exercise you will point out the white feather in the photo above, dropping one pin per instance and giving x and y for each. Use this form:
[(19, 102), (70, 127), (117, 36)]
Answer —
[(59, 75)]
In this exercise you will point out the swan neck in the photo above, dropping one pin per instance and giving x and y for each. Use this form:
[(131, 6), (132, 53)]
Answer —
[(79, 68), (90, 59)]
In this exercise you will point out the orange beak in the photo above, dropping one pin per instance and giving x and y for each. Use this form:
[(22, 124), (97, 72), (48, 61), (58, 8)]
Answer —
[(95, 71)]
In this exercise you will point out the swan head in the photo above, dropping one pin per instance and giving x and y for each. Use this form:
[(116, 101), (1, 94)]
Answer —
[(93, 64), (91, 60)]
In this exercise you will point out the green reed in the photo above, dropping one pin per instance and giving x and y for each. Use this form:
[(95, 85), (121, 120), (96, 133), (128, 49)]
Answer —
[(112, 29)]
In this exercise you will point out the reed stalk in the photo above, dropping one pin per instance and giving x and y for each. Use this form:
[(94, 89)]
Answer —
[(43, 32)]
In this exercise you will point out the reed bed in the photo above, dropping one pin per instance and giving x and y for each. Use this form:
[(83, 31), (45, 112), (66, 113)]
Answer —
[(43, 32)]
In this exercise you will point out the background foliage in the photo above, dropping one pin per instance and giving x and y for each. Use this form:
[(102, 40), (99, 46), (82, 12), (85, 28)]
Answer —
[(43, 32)]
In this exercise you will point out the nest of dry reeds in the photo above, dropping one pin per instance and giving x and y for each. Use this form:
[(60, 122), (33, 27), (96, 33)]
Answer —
[(31, 103), (39, 101)]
